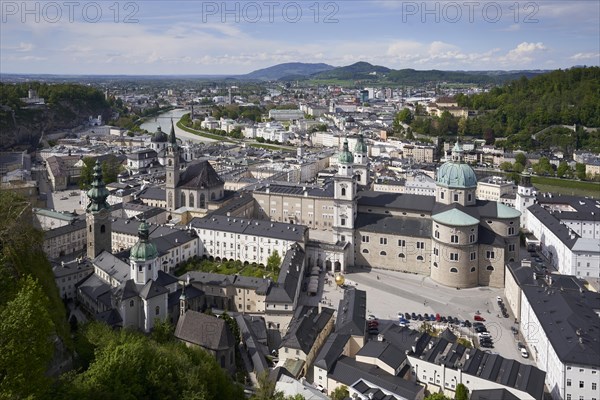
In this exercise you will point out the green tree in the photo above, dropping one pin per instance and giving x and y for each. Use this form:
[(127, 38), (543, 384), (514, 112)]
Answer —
[(580, 171), (404, 116), (266, 387), (340, 393), (25, 343), (506, 166), (130, 365), (518, 167), (111, 168), (563, 170), (543, 167), (462, 393), (274, 261), (521, 158), (437, 396), (163, 332)]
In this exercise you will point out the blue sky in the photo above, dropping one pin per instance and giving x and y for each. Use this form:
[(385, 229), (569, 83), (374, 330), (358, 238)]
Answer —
[(229, 37)]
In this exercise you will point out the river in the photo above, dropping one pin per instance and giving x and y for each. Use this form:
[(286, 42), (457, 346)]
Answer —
[(164, 121)]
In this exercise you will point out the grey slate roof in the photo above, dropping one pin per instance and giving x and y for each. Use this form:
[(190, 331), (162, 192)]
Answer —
[(204, 330), (348, 371), (153, 193), (294, 190), (584, 208), (126, 290), (351, 314), (568, 318), (492, 394), (404, 201), (72, 267), (152, 289), (200, 175), (384, 351), (93, 287), (255, 347), (245, 226), (74, 226), (113, 266), (331, 350), (305, 326), (407, 226), (292, 267), (553, 225)]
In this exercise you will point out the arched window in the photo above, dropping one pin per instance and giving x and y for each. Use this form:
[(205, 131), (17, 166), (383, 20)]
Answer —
[(131, 303), (202, 201), (365, 251), (191, 199), (401, 255), (472, 269), (490, 268), (435, 264), (419, 258), (511, 230), (343, 191), (454, 270), (382, 253), (182, 200), (102, 228), (157, 310), (170, 162)]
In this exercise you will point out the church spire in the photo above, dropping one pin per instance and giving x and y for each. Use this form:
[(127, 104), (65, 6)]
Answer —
[(98, 193), (172, 138)]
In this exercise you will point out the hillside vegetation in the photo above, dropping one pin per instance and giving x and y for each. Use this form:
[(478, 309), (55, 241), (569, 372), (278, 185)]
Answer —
[(525, 106), (67, 106)]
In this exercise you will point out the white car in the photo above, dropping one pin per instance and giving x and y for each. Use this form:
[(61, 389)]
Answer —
[(499, 299), (484, 334), (371, 317), (320, 388), (524, 353)]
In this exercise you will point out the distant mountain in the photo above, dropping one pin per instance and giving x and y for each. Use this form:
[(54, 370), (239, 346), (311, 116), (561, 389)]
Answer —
[(356, 71), (287, 70), (365, 71)]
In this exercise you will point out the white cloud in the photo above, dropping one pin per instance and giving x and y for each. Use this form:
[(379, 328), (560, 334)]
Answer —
[(585, 56), (523, 53)]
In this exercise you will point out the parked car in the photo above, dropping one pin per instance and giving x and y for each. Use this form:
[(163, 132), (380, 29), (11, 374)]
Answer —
[(413, 316), (480, 329), (432, 318), (426, 317), (484, 334), (487, 344), (320, 388), (407, 315), (403, 322), (468, 323), (478, 318), (438, 317), (373, 331), (524, 353), (371, 317), (520, 346), (499, 299), (420, 317)]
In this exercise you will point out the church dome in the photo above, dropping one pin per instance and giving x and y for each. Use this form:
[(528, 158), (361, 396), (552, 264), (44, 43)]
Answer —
[(345, 156), (455, 173), (143, 250), (159, 136)]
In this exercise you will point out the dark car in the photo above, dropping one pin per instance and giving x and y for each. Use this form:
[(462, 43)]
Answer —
[(373, 331), (487, 345), (407, 315), (478, 324), (426, 316), (520, 345), (443, 319), (467, 323), (451, 320), (432, 318), (420, 317), (480, 329), (413, 316)]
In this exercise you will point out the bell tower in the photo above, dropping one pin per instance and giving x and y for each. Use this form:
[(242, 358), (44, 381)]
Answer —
[(344, 199), (172, 170), (361, 161), (98, 218)]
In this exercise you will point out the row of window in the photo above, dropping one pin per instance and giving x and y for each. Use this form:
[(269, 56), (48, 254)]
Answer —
[(582, 384), (455, 197), (473, 269)]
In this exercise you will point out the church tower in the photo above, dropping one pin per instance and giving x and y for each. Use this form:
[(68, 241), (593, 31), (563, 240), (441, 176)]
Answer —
[(361, 161), (525, 196), (344, 199), (456, 181), (172, 170), (143, 257), (98, 216)]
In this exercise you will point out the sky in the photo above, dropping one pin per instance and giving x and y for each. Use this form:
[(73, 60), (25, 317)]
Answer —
[(153, 37)]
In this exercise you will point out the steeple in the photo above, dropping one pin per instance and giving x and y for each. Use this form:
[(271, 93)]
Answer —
[(98, 193), (345, 156), (457, 152), (172, 138), (182, 302), (143, 250)]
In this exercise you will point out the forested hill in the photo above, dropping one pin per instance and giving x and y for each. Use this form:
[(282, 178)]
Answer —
[(561, 97), (67, 106)]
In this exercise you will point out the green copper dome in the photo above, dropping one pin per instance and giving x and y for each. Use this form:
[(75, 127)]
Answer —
[(98, 193), (345, 156), (455, 173), (143, 250), (361, 146)]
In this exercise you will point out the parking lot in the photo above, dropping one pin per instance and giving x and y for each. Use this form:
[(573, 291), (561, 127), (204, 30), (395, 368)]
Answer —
[(389, 293)]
